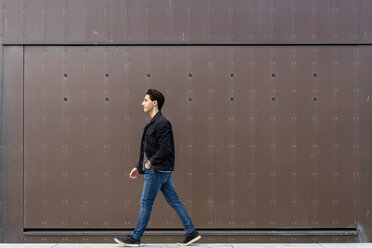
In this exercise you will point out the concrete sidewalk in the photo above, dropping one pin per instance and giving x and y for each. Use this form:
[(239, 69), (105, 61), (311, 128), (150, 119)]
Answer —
[(235, 245)]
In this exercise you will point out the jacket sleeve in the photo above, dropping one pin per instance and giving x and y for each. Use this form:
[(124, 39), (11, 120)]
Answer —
[(163, 137), (139, 164), (139, 168)]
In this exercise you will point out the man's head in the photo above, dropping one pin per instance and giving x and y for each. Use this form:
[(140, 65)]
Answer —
[(153, 99)]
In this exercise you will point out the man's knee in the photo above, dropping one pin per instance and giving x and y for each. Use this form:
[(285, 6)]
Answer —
[(146, 203)]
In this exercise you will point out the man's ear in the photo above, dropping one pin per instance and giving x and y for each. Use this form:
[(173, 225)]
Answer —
[(155, 103)]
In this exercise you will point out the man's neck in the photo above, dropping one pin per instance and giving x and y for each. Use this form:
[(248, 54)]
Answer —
[(153, 113)]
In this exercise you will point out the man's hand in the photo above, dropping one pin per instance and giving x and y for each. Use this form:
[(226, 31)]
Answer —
[(148, 165), (134, 173)]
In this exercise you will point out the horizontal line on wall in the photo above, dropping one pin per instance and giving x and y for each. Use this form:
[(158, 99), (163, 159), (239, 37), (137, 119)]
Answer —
[(193, 44), (211, 232)]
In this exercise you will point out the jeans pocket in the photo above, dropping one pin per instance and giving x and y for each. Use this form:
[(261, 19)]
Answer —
[(149, 171)]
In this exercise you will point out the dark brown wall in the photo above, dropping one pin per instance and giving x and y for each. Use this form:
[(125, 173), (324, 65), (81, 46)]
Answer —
[(281, 145), (257, 119), (185, 22)]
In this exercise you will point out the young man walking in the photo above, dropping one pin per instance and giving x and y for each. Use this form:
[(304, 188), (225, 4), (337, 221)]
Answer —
[(157, 163)]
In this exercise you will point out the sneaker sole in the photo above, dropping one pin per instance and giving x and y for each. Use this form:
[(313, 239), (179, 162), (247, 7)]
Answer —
[(127, 245), (190, 242)]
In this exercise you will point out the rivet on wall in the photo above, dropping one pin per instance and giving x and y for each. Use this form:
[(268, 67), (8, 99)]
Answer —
[(148, 75), (315, 74), (65, 75), (232, 75), (273, 99), (107, 99), (190, 99), (273, 75), (190, 75), (107, 75), (65, 99)]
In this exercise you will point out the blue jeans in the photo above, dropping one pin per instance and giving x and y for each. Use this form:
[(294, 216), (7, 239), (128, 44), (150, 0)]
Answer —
[(155, 181)]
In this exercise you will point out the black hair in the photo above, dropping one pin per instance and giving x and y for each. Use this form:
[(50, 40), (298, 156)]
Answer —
[(156, 95)]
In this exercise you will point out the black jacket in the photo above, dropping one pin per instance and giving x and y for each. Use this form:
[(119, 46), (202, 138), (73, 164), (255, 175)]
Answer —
[(159, 146)]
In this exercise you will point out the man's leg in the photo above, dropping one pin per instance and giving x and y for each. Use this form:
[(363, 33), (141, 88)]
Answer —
[(170, 195), (151, 188)]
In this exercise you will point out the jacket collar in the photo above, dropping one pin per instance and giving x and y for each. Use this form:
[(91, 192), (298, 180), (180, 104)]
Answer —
[(153, 119)]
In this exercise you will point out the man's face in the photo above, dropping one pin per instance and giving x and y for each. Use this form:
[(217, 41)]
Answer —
[(147, 104)]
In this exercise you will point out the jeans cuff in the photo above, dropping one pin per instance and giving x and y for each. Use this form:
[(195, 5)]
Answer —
[(135, 236)]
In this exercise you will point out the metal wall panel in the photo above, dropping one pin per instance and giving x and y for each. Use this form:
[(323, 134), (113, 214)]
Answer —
[(179, 21), (1, 133), (364, 137), (259, 130), (13, 143)]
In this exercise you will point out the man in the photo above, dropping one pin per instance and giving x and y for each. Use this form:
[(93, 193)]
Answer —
[(157, 163)]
